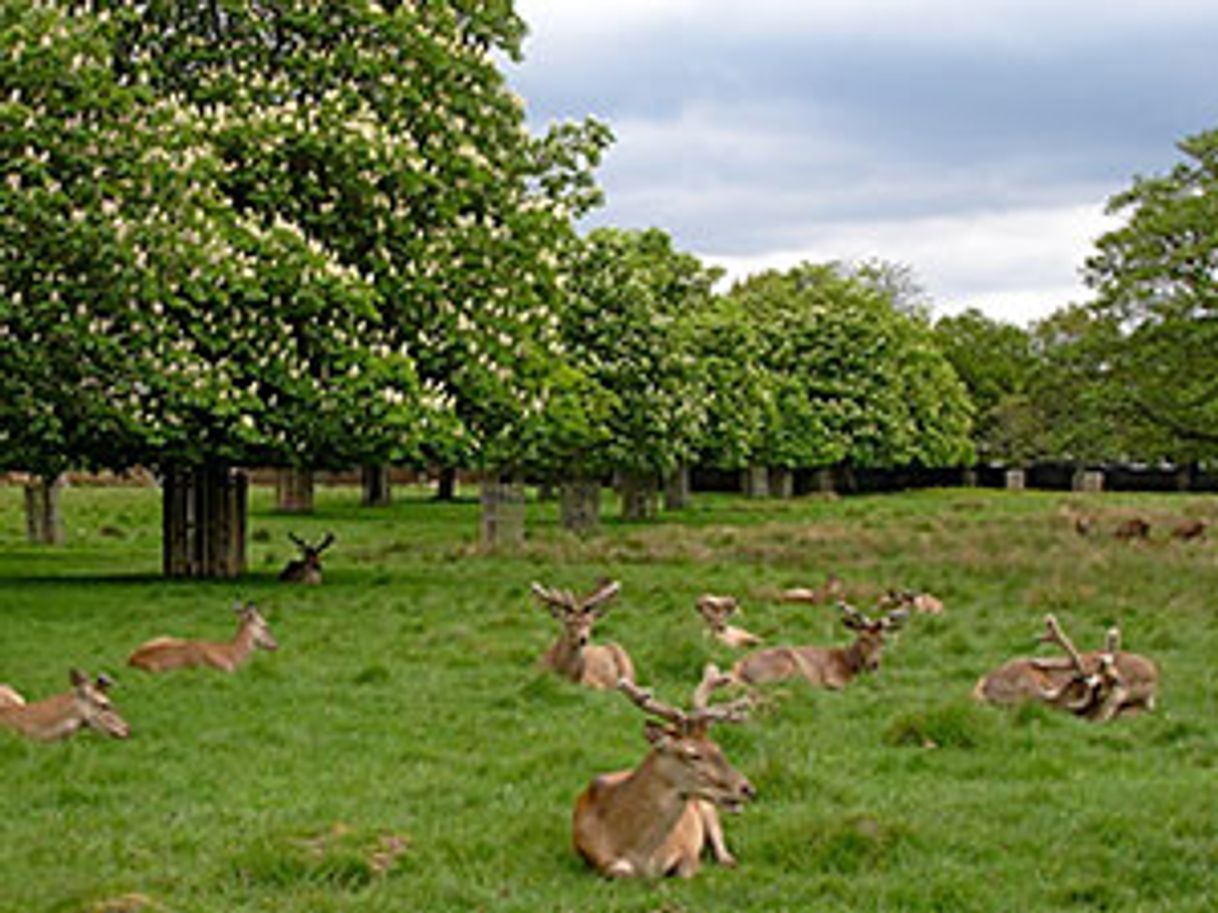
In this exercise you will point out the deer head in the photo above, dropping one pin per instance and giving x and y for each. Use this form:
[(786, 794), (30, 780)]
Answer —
[(577, 614), (716, 610), (683, 754), (871, 635), (1086, 691), (258, 630), (92, 704)]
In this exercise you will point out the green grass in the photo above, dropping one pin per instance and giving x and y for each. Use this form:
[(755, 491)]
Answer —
[(402, 751)]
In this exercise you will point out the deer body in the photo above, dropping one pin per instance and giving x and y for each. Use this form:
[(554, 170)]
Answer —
[(1133, 528), (162, 654), (573, 655), (656, 819), (86, 706), (307, 568), (823, 667), (830, 591)]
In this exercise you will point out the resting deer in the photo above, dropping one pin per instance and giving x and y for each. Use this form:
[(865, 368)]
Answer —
[(715, 611), (307, 568), (86, 706), (825, 667), (573, 655), (1097, 685), (164, 653), (1189, 529), (922, 603), (656, 819), (831, 590), (1133, 528)]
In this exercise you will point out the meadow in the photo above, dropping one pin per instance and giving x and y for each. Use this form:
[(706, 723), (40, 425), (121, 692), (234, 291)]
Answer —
[(403, 751)]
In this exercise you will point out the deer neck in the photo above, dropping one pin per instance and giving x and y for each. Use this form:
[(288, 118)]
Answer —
[(567, 657), (646, 806), (242, 645), (853, 658)]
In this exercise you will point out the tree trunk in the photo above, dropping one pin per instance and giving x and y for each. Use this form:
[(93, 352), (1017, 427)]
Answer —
[(502, 512), (676, 489), (446, 485), (43, 518), (203, 521), (580, 505), (377, 489), (782, 482), (294, 490), (638, 491), (822, 481), (755, 482)]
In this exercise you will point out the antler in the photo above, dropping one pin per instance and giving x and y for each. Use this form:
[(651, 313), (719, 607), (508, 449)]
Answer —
[(1055, 635), (298, 542), (558, 601), (603, 593), (852, 617), (649, 704), (325, 543), (701, 715)]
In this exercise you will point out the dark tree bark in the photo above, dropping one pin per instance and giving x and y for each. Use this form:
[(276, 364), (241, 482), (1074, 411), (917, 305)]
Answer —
[(294, 490), (43, 518), (378, 492), (676, 489), (502, 502), (580, 505), (203, 517), (446, 485), (638, 493)]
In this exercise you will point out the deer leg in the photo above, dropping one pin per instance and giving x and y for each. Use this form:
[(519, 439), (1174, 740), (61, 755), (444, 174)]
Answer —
[(714, 834)]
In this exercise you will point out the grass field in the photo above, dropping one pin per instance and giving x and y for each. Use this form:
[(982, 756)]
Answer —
[(402, 751)]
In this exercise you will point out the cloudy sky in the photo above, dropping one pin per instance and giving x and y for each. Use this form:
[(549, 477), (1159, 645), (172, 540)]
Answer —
[(973, 140)]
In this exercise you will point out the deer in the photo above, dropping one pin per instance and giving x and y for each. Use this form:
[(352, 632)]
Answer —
[(307, 568), (1189, 529), (920, 602), (162, 654), (715, 611), (824, 667), (1098, 685), (1131, 529), (830, 591), (86, 706), (573, 655), (657, 818)]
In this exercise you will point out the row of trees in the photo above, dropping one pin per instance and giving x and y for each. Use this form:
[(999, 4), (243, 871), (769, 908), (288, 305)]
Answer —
[(313, 235)]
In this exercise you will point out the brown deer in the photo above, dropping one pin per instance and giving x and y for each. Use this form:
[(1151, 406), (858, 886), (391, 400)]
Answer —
[(922, 603), (573, 655), (656, 819), (832, 590), (1131, 529), (86, 706), (715, 611), (824, 667), (164, 653), (307, 568), (1189, 529), (1096, 685)]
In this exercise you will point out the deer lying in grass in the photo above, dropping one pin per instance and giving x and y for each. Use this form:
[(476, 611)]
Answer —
[(825, 667), (656, 819), (573, 655), (922, 603), (164, 653), (715, 611), (1096, 685), (86, 706), (307, 568), (1131, 529), (832, 590), (1189, 529)]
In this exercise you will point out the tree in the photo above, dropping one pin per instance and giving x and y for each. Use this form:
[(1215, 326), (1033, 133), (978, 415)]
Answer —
[(1156, 278)]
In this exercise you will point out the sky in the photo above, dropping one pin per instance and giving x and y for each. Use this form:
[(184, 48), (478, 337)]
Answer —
[(974, 141)]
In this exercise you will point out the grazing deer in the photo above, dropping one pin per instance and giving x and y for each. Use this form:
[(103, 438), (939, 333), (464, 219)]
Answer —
[(307, 568), (573, 655), (825, 667), (715, 611), (656, 819), (1133, 528), (1189, 529), (164, 653), (832, 590), (922, 603), (86, 706), (1096, 685)]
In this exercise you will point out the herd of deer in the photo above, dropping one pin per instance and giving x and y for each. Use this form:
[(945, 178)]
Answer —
[(657, 818)]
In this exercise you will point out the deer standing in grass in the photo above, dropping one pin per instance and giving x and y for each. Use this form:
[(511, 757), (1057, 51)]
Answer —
[(715, 611), (824, 667), (86, 706), (656, 819), (573, 655), (1097, 685), (307, 568), (164, 653)]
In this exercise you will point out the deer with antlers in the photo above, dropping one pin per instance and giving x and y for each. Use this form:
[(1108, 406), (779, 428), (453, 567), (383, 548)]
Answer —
[(715, 611), (573, 655), (307, 568), (824, 667), (164, 653), (1097, 685), (86, 706), (657, 819)]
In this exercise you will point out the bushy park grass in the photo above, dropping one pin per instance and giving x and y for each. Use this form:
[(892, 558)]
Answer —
[(402, 751)]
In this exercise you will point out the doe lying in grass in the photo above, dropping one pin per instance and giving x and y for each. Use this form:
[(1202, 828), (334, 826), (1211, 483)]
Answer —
[(715, 611), (164, 653), (825, 667), (656, 819), (573, 655), (1097, 685), (86, 706)]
